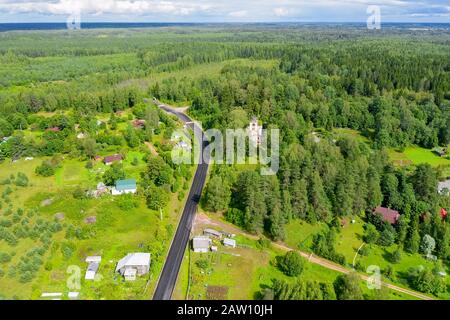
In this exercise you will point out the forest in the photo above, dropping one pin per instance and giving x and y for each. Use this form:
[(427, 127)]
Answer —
[(390, 90)]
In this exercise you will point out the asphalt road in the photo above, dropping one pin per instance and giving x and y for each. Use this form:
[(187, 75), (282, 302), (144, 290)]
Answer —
[(169, 275)]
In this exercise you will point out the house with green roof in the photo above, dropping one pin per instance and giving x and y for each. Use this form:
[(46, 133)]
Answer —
[(124, 187)]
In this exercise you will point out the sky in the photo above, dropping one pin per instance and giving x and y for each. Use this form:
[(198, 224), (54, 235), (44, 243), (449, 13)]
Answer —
[(222, 10)]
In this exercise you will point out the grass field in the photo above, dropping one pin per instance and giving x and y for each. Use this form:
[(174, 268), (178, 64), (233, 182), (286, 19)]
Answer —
[(417, 155), (123, 225), (245, 272), (349, 240)]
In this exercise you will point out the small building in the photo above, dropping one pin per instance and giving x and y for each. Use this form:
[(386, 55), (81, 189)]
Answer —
[(184, 145), (73, 295), (53, 129), (212, 233), (29, 158), (255, 131), (139, 124), (81, 136), (227, 242), (389, 215), (51, 295), (441, 152), (444, 213), (201, 244), (93, 265), (444, 187), (109, 160), (134, 264), (124, 187), (4, 140)]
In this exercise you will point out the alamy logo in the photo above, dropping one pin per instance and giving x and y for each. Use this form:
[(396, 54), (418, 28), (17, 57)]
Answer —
[(74, 20), (374, 20)]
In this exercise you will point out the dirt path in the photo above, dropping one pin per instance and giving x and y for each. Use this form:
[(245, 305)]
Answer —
[(151, 148), (203, 219)]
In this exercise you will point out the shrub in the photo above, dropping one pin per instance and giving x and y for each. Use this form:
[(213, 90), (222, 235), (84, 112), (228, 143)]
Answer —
[(22, 180), (292, 264), (202, 264), (45, 169)]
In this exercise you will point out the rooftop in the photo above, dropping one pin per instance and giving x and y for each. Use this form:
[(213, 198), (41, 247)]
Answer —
[(116, 157), (134, 259), (388, 215), (201, 242), (129, 184)]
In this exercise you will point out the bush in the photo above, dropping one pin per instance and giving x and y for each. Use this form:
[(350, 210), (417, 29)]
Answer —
[(67, 250), (202, 264), (45, 169), (79, 194), (292, 264), (22, 180), (4, 257)]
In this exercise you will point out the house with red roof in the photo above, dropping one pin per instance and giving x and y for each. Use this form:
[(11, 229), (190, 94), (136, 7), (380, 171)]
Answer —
[(444, 213), (111, 159), (54, 129), (139, 124), (388, 215)]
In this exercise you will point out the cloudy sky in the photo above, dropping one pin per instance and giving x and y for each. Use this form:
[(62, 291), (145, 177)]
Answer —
[(223, 10)]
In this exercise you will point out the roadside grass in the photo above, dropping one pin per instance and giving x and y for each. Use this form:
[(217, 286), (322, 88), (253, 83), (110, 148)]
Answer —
[(299, 234)]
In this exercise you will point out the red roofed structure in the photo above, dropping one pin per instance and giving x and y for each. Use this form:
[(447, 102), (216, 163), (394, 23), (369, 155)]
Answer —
[(444, 213), (54, 129), (388, 215), (110, 159)]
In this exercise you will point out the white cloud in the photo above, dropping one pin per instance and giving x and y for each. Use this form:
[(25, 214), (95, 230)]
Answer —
[(281, 12), (238, 14), (218, 10)]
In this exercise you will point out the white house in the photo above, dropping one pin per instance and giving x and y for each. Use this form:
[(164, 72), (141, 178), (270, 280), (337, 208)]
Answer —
[(124, 187), (201, 244), (227, 242), (444, 187), (134, 264), (93, 265)]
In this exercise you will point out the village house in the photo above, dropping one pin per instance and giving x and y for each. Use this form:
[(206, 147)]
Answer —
[(54, 129), (227, 242), (201, 244), (255, 131), (139, 124), (81, 136), (444, 188), (4, 140), (99, 191), (441, 152), (389, 215), (212, 233), (134, 264), (93, 265), (109, 160), (124, 187)]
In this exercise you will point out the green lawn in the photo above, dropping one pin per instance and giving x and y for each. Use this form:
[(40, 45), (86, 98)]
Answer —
[(299, 234), (417, 155)]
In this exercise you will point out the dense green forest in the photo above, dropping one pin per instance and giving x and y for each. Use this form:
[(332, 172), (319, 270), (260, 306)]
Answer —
[(392, 88)]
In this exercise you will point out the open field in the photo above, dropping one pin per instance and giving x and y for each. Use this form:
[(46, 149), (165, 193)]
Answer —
[(417, 155), (244, 271)]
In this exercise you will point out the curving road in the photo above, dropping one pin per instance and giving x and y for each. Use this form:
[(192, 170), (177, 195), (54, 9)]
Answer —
[(169, 274)]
